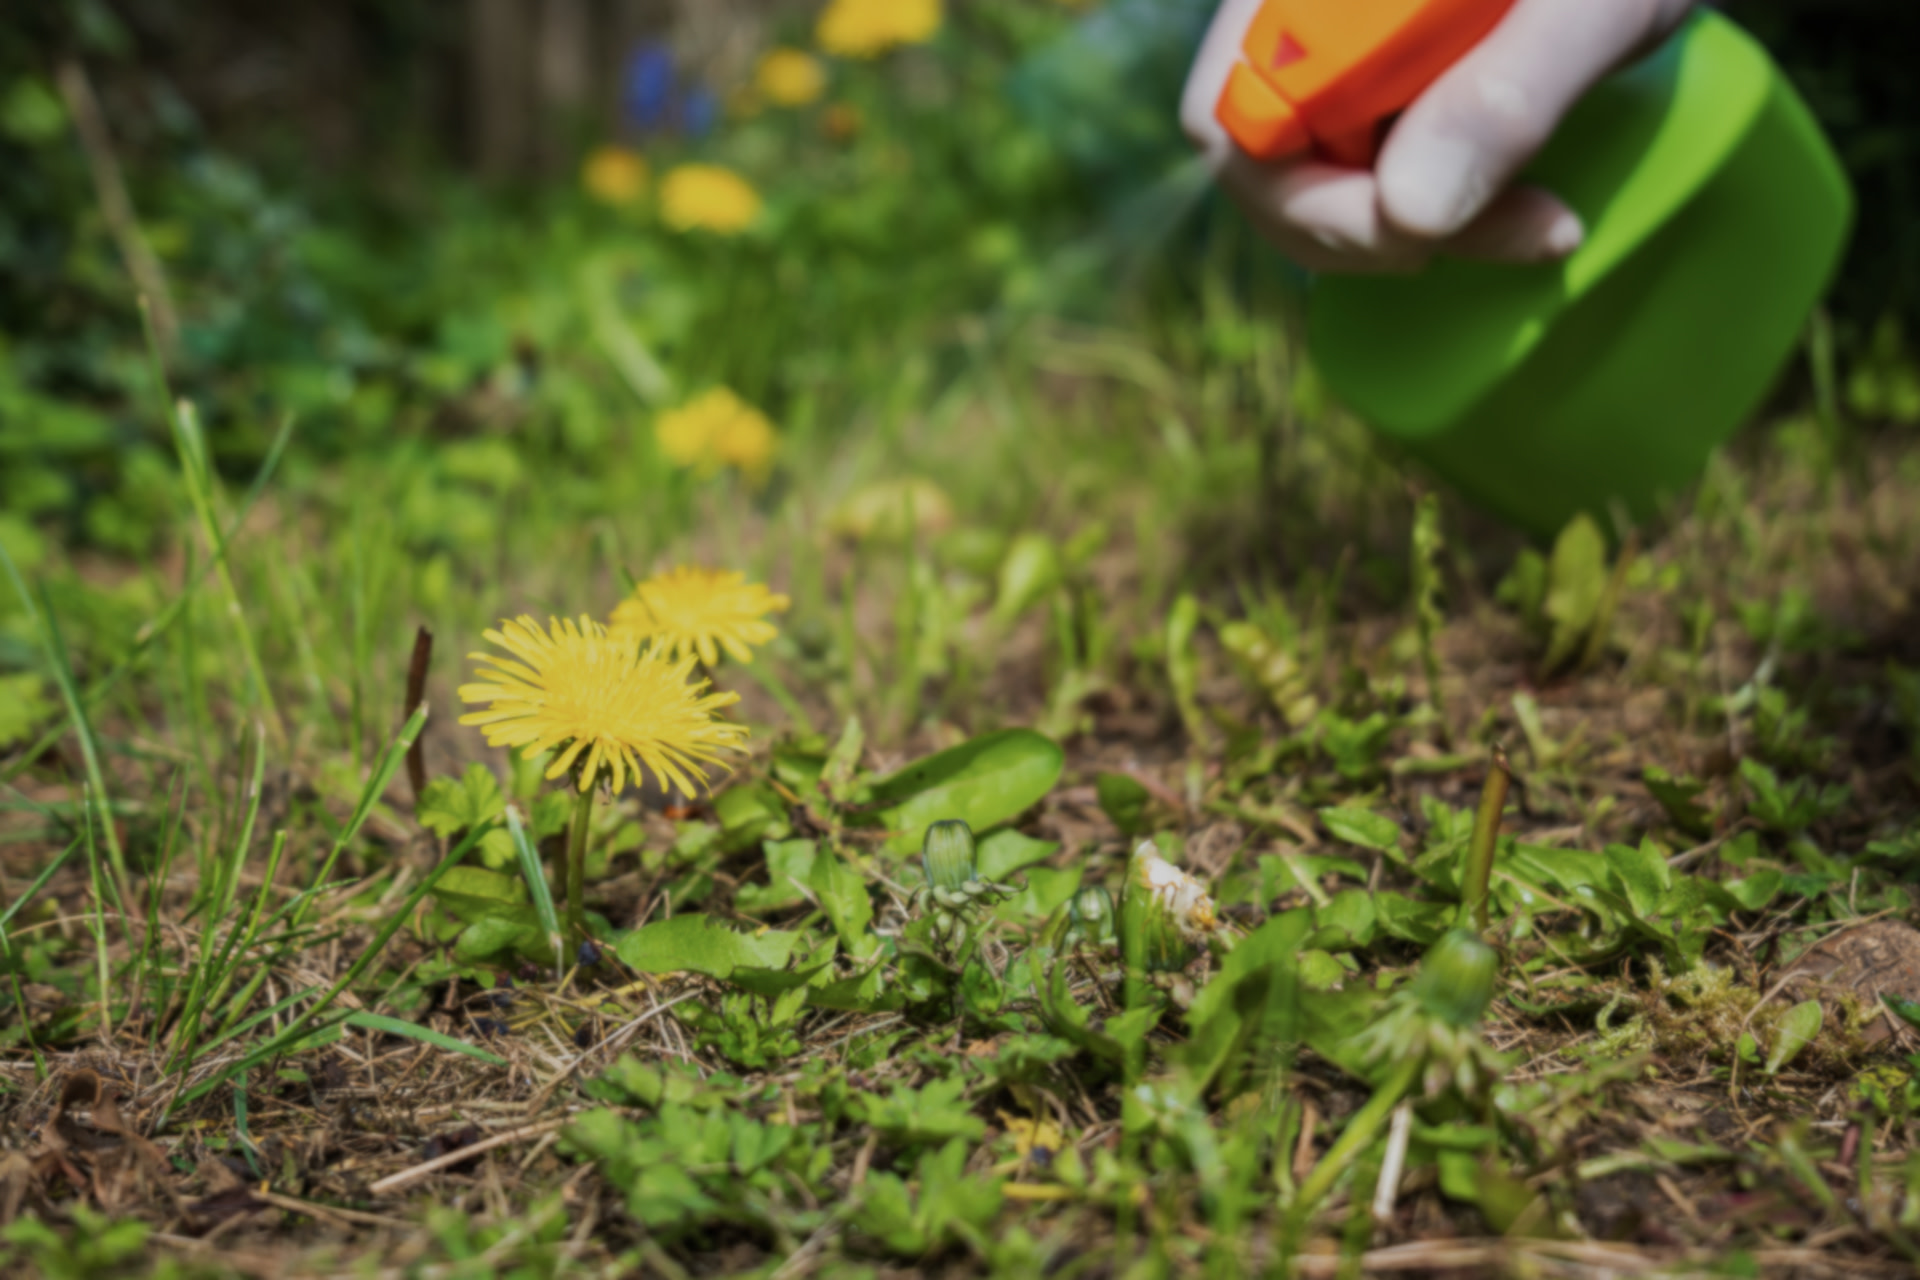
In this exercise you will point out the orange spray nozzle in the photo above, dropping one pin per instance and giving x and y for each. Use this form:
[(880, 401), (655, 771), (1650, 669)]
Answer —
[(1324, 75)]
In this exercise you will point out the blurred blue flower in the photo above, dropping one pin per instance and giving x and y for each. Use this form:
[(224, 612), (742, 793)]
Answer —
[(699, 112), (647, 88), (653, 100)]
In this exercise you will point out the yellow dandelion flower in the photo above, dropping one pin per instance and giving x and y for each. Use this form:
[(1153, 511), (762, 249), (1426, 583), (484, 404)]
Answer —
[(699, 611), (790, 77), (706, 197), (746, 441), (717, 429), (868, 28), (614, 707), (614, 175)]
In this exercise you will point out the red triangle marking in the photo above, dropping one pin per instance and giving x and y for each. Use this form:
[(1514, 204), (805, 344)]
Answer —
[(1288, 52)]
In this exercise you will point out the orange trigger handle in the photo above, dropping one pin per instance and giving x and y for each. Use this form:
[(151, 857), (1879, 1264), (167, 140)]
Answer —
[(1324, 76)]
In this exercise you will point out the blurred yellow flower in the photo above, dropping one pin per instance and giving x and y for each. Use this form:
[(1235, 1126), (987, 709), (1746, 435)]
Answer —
[(790, 78), (699, 611), (717, 429), (706, 197), (614, 175), (619, 710), (868, 28), (892, 509)]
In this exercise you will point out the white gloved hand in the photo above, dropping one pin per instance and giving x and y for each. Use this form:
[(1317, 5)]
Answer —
[(1441, 179)]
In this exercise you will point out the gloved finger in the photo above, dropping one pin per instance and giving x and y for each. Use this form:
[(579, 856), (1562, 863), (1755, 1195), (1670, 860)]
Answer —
[(1219, 50), (1523, 224), (1471, 131), (1324, 217)]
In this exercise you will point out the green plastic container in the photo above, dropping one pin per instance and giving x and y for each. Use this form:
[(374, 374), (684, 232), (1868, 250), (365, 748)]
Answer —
[(1716, 212)]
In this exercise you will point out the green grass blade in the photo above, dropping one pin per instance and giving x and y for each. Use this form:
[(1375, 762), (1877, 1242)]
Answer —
[(301, 1025), (156, 887), (536, 878), (384, 770), (280, 1006), (426, 1035), (56, 652), (197, 472), (94, 871), (213, 967), (158, 627), (39, 882), (226, 967)]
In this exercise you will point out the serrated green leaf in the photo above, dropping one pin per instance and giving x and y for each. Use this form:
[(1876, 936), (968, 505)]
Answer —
[(774, 981), (1410, 921), (698, 943), (1006, 852), (454, 804), (1363, 827), (864, 993), (549, 814), (1755, 891), (1345, 922), (469, 892), (1124, 801), (1796, 1030), (749, 814), (790, 865), (920, 1116), (983, 782), (504, 929), (449, 806), (842, 894), (1319, 971), (1048, 889), (1680, 798), (1642, 874)]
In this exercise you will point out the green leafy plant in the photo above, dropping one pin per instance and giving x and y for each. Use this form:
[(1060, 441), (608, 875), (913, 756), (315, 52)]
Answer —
[(945, 1206)]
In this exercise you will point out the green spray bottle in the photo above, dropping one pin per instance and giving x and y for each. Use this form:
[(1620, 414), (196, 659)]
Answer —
[(1715, 209)]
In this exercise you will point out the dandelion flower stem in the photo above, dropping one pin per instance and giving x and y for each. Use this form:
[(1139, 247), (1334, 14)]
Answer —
[(1477, 875), (1360, 1133), (577, 863)]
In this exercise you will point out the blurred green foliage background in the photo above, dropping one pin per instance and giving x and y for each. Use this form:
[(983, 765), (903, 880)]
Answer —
[(306, 178)]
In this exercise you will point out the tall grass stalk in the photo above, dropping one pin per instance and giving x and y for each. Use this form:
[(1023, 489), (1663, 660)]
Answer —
[(54, 647), (157, 879), (215, 903), (95, 872), (13, 909), (1476, 876)]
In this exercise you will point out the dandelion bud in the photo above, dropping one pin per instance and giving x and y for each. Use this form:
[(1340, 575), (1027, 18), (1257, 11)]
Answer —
[(947, 854), (1165, 914), (1091, 914), (1455, 983)]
